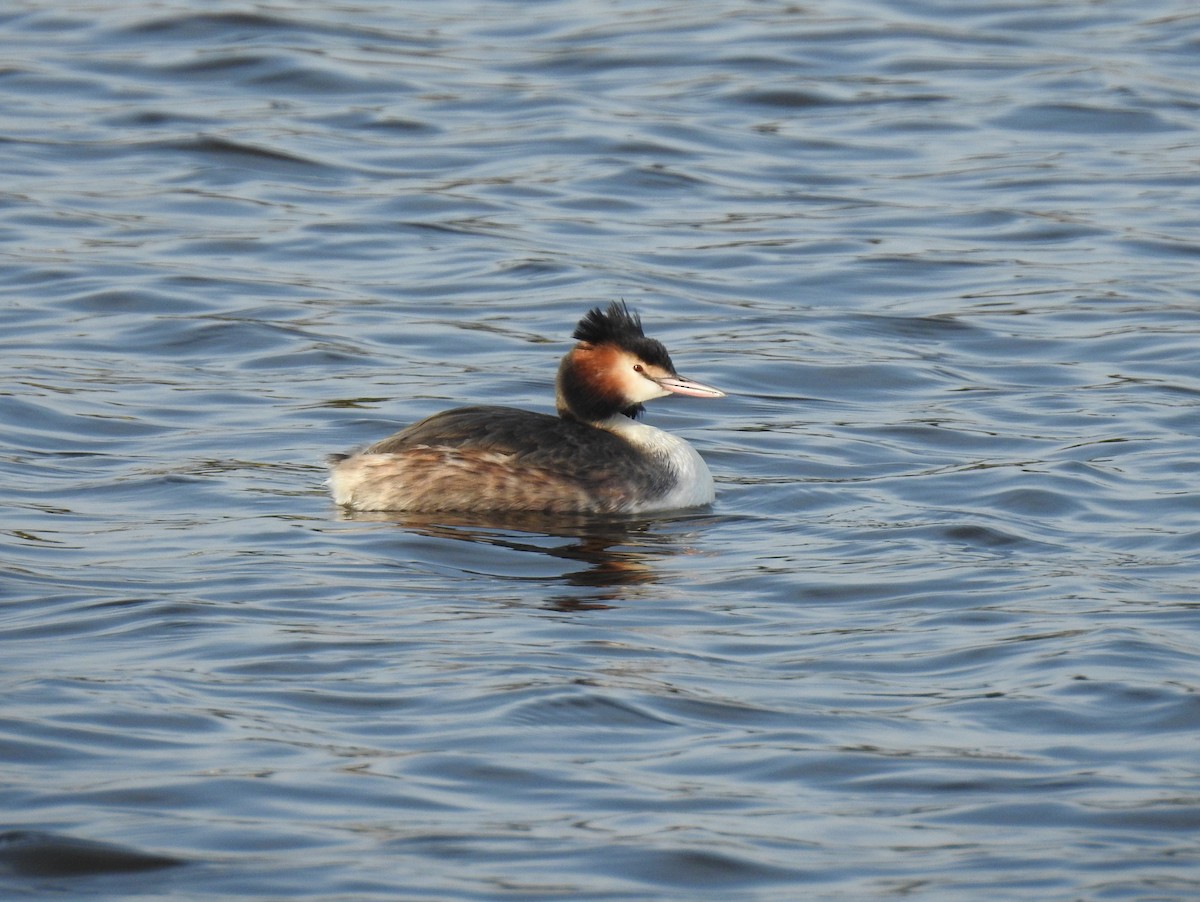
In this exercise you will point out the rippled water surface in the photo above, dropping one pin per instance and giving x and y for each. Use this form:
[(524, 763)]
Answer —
[(938, 637)]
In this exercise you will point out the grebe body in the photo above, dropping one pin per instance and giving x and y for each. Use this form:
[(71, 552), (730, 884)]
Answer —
[(594, 457)]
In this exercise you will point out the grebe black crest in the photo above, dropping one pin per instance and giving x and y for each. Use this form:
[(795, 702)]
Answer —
[(591, 458), (620, 326)]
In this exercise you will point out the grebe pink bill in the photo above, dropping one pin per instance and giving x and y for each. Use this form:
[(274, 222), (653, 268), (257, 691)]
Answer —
[(593, 458)]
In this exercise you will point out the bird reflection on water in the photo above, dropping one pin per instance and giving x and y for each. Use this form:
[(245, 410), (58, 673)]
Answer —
[(618, 554)]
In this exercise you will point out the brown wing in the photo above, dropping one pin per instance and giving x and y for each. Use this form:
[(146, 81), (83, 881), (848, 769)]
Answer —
[(432, 479), (496, 458)]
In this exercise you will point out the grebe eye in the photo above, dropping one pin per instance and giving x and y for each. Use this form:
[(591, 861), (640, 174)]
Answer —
[(637, 368)]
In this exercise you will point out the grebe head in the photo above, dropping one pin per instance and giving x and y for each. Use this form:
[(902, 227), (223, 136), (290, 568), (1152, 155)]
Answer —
[(615, 368)]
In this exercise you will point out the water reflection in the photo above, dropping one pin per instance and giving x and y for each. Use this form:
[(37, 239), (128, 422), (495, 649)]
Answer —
[(617, 554), (35, 853)]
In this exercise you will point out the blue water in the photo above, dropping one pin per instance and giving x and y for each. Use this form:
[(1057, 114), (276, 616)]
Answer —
[(938, 639)]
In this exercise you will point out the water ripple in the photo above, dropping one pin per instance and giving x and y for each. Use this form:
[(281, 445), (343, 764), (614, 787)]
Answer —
[(937, 638)]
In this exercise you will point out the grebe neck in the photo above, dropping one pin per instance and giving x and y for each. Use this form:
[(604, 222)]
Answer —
[(584, 391), (688, 482)]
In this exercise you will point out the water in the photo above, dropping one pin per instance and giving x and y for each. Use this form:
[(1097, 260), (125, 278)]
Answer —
[(938, 637)]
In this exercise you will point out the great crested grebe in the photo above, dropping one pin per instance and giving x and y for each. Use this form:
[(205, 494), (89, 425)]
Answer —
[(592, 458)]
